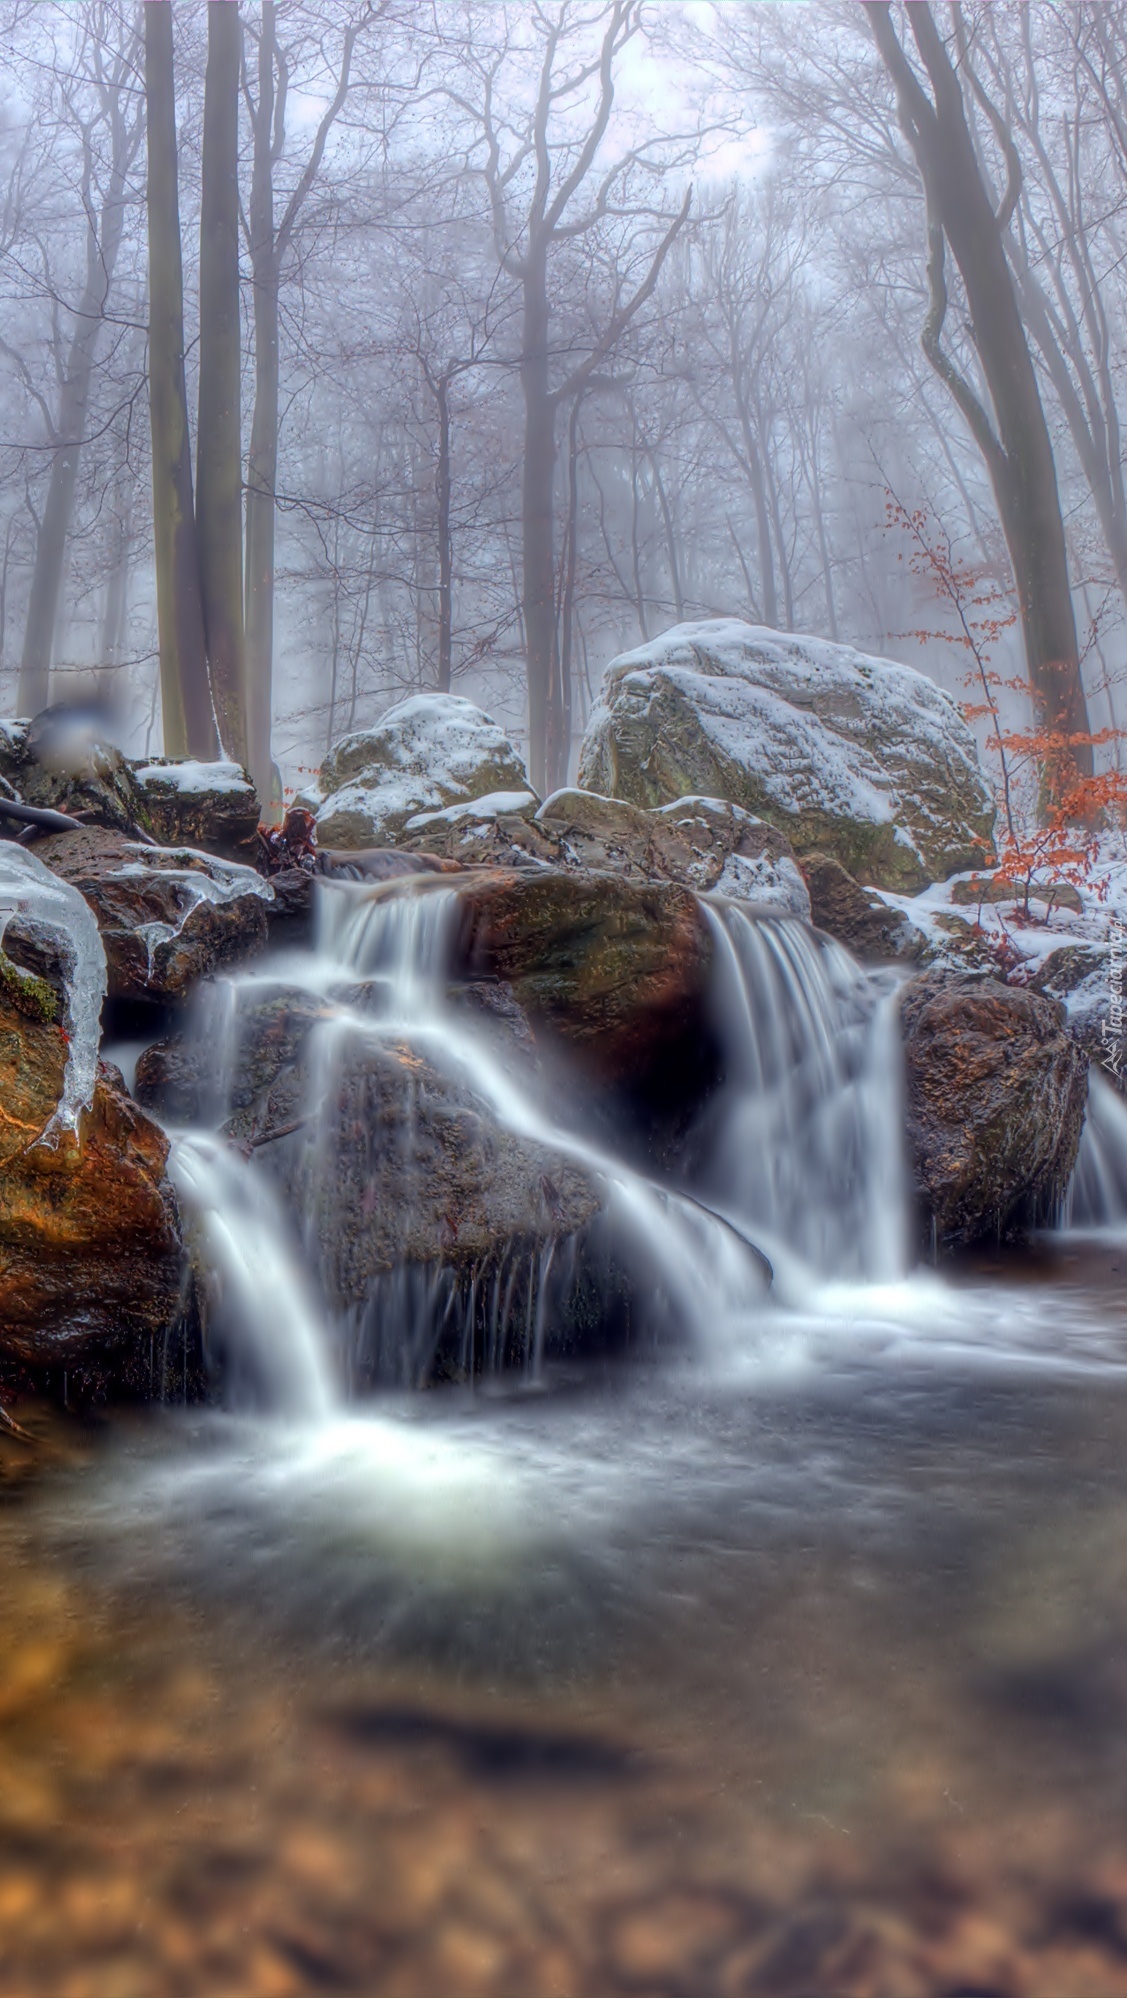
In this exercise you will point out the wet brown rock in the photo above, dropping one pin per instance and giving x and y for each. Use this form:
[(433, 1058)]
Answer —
[(89, 1242), (996, 1091), (856, 916), (617, 969), (167, 916)]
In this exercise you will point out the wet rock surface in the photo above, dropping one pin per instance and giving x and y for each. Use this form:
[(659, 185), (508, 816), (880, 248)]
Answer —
[(167, 916), (617, 970), (89, 1240), (402, 1181), (996, 1092)]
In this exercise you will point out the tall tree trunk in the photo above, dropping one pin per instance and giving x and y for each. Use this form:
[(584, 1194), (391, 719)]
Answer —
[(539, 578), (1018, 453), (189, 726), (218, 430), (115, 610), (262, 462), (74, 402), (445, 550)]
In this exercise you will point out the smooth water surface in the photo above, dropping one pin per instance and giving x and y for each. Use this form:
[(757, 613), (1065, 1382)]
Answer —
[(797, 1668)]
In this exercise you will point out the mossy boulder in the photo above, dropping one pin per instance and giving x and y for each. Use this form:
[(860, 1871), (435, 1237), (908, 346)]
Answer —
[(855, 757), (996, 1092)]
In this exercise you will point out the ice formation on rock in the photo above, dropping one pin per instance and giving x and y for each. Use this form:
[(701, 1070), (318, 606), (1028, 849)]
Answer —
[(30, 891)]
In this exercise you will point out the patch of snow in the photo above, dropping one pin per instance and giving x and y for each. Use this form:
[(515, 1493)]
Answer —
[(194, 776), (29, 889), (492, 806)]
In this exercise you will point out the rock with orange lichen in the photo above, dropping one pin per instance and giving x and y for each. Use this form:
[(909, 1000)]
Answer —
[(89, 1236)]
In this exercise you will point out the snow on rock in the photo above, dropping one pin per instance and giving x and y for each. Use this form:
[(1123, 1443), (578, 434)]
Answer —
[(35, 896), (193, 776), (1077, 955), (426, 753), (495, 805), (860, 758), (212, 807)]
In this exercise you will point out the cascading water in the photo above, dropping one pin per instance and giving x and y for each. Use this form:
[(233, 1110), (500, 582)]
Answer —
[(1097, 1196), (807, 1149), (796, 1164)]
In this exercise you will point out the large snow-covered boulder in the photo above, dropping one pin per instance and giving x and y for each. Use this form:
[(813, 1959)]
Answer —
[(856, 757), (423, 755)]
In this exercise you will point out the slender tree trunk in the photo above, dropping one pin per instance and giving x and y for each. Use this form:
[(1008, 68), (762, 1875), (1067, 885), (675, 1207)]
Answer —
[(559, 774), (538, 579), (189, 727), (116, 607), (218, 431), (262, 461), (74, 403), (445, 551), (1018, 454), (670, 539)]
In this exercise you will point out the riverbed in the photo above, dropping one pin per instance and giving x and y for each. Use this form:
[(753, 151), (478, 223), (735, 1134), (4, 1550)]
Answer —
[(798, 1667)]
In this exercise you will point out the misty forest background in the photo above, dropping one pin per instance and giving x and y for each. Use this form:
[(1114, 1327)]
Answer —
[(555, 325)]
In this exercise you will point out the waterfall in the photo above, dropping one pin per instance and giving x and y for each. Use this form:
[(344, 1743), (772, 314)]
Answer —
[(807, 1150), (796, 1167), (1097, 1194), (261, 1301)]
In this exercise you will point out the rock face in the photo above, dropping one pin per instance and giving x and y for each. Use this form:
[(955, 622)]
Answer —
[(851, 756), (427, 753), (58, 761), (707, 844), (167, 916), (210, 806), (857, 918), (89, 1243), (405, 1188), (617, 969), (996, 1091)]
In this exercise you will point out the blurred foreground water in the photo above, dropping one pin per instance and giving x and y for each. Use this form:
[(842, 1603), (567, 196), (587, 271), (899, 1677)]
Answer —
[(802, 1672)]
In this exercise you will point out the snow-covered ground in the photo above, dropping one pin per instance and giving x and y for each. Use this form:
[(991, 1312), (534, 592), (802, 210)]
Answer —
[(1088, 980)]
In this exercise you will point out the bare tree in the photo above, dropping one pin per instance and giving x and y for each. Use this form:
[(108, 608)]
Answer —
[(189, 727), (99, 102), (560, 155), (219, 462), (1018, 451)]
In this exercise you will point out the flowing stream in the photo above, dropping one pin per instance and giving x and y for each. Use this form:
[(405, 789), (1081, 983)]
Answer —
[(786, 1658)]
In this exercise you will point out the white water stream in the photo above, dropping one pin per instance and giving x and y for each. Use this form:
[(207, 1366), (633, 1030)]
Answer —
[(802, 1162)]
